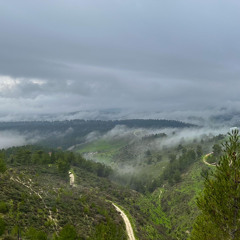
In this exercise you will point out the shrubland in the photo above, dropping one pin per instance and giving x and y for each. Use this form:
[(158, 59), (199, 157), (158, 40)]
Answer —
[(37, 201)]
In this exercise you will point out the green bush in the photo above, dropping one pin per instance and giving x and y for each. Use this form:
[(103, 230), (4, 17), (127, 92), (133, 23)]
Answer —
[(3, 207), (2, 226), (68, 232), (34, 234), (3, 167)]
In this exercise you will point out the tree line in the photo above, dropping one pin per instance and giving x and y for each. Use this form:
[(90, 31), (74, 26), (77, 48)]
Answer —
[(62, 160), (69, 133)]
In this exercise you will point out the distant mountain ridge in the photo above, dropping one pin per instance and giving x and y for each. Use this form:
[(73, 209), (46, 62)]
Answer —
[(136, 123), (67, 133)]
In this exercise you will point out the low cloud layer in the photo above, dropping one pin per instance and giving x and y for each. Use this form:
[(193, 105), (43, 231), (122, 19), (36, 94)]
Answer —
[(146, 55), (10, 138)]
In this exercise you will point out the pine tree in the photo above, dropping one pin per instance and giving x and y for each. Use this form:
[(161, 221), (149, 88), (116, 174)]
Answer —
[(220, 200), (3, 167)]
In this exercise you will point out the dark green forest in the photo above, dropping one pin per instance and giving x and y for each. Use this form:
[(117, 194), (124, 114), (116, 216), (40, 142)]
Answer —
[(65, 134)]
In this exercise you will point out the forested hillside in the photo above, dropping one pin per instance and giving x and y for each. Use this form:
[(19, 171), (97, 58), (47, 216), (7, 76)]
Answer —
[(37, 201), (168, 169), (65, 134), (154, 175)]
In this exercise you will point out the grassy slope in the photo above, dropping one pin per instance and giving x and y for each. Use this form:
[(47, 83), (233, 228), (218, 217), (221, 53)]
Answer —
[(176, 208), (179, 201), (103, 150), (120, 151)]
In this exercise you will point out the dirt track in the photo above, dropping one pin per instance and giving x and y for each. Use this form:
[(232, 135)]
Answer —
[(72, 180), (209, 164), (127, 222), (124, 216)]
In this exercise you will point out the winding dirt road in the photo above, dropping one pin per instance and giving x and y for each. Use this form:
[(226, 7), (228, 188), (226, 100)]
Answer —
[(124, 216), (127, 222), (205, 160)]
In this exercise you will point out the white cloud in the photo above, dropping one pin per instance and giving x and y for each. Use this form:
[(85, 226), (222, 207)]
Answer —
[(38, 82), (7, 83)]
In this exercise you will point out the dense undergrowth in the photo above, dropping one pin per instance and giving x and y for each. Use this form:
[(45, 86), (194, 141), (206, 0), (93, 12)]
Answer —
[(36, 198)]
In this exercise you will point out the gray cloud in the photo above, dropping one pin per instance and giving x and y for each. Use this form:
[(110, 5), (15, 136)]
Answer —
[(63, 56)]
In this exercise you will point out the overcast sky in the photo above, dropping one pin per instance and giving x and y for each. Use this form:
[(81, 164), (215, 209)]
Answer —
[(160, 55)]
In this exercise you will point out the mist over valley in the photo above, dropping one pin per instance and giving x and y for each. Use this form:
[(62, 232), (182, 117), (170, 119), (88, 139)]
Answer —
[(119, 120)]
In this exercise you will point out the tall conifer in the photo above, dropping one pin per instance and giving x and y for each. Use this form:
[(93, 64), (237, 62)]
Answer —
[(220, 200)]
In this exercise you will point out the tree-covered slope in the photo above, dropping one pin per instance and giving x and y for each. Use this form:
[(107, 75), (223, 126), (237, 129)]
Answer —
[(37, 198), (37, 201), (65, 134)]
